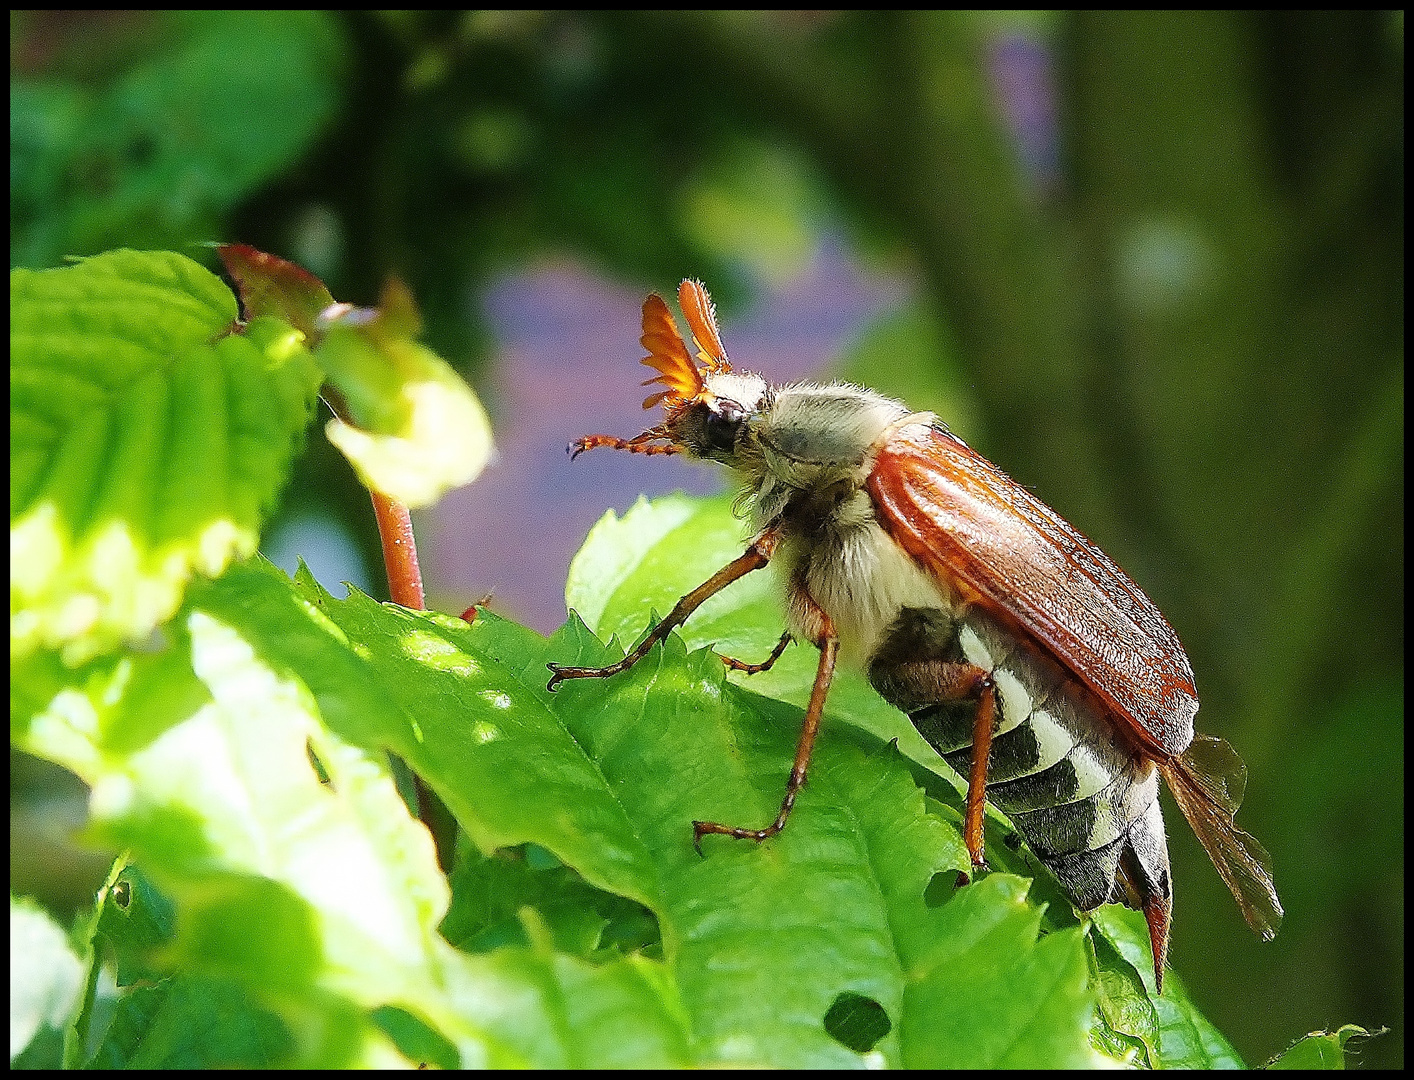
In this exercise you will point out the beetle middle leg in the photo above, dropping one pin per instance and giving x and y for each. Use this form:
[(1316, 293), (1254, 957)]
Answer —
[(765, 665)]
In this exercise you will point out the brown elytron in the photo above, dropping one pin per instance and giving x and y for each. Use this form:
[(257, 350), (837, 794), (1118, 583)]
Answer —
[(1019, 650), (967, 522)]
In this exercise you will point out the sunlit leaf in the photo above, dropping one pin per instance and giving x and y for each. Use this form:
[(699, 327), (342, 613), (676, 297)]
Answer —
[(146, 443), (789, 923), (310, 889), (1185, 1039), (45, 975), (416, 428), (264, 807)]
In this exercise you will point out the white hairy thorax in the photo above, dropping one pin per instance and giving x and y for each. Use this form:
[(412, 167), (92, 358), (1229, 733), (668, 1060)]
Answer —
[(815, 438)]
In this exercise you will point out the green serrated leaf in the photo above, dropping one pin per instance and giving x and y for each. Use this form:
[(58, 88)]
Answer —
[(144, 445), (986, 994), (1186, 1039), (843, 941), (836, 902), (1125, 1008), (418, 683), (758, 942), (488, 892), (319, 900)]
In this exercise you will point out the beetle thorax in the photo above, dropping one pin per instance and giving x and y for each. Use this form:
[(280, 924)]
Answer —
[(805, 459), (852, 569)]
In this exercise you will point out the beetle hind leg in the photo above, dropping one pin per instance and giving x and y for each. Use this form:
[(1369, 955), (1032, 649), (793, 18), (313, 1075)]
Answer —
[(920, 668), (982, 724), (924, 685)]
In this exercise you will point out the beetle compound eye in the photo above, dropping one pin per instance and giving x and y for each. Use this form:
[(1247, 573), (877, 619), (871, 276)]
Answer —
[(730, 412), (722, 424)]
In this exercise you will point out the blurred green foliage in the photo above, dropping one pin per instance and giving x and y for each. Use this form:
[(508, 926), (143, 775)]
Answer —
[(155, 146), (1187, 334)]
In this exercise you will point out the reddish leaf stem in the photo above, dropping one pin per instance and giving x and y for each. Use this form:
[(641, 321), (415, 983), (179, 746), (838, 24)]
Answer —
[(405, 588), (399, 552)]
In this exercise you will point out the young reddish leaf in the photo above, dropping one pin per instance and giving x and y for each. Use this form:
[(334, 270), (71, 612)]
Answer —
[(411, 426), (270, 285)]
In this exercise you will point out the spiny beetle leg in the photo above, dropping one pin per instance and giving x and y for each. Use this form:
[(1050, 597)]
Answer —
[(829, 652), (753, 558), (765, 665)]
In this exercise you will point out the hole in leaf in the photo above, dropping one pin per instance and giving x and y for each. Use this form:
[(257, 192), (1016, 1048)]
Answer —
[(940, 889), (630, 928), (122, 893), (539, 858), (857, 1022)]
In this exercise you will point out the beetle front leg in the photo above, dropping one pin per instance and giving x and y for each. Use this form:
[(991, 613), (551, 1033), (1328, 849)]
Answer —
[(755, 557), (655, 440)]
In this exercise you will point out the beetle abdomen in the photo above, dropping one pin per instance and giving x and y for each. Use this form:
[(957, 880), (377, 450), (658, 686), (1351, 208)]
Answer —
[(1076, 791)]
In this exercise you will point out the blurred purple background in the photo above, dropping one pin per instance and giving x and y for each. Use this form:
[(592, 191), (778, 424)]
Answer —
[(567, 366)]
